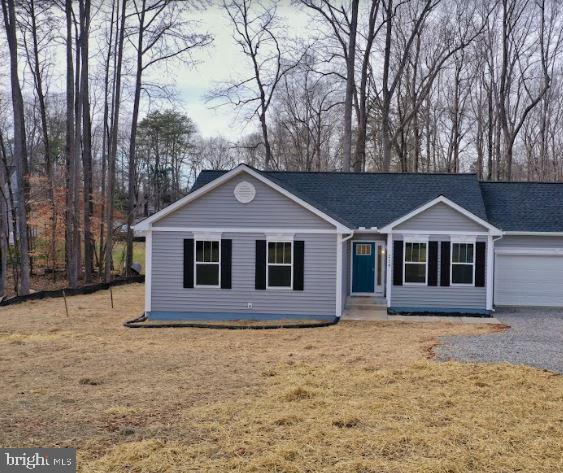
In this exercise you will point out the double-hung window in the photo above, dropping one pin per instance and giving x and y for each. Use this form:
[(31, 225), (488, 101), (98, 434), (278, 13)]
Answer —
[(463, 263), (207, 263), (415, 269), (280, 264)]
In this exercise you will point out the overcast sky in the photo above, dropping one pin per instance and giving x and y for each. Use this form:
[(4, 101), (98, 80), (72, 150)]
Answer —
[(217, 63)]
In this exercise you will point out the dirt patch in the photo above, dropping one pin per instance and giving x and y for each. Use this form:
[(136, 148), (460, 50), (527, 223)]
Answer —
[(355, 397)]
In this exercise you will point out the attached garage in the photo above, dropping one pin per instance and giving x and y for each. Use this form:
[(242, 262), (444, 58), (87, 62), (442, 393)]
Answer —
[(529, 277)]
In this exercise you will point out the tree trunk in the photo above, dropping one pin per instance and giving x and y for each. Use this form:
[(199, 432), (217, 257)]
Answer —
[(20, 148), (106, 142), (86, 141), (350, 83), (70, 153), (131, 204), (113, 152), (386, 94), (49, 165)]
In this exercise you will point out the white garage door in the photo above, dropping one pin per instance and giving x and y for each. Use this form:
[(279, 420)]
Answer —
[(532, 280)]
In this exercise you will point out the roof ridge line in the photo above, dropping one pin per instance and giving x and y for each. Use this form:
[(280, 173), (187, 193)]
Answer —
[(520, 182), (357, 173)]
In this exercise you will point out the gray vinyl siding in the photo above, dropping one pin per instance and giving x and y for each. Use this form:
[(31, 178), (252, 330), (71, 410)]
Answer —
[(441, 217), (317, 298), (219, 208), (440, 297), (516, 241)]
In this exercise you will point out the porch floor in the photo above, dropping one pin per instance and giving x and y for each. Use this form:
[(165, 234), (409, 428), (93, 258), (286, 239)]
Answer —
[(381, 315)]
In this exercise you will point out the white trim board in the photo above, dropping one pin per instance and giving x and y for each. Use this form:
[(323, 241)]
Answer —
[(148, 271), (444, 200), (339, 278), (529, 251), (546, 234), (292, 231), (241, 168), (439, 232)]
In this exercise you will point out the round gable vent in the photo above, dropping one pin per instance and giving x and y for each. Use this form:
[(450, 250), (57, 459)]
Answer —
[(245, 192)]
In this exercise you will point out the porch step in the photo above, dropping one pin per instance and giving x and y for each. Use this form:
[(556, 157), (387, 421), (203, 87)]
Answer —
[(366, 303)]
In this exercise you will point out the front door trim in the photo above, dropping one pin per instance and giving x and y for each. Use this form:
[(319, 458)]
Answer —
[(377, 244)]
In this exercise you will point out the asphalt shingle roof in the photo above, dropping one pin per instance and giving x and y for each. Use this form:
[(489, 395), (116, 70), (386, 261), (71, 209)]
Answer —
[(376, 199), (524, 206), (372, 199)]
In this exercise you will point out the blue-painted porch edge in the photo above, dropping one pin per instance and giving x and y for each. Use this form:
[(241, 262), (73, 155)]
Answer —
[(169, 315), (453, 311)]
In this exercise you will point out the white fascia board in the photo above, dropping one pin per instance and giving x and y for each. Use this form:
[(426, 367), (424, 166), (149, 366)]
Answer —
[(444, 200), (517, 233), (241, 168)]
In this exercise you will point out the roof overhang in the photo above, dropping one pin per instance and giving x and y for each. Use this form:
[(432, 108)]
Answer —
[(146, 224), (443, 200), (526, 233)]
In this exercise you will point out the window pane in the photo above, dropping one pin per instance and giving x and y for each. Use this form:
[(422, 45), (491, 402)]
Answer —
[(279, 276), (415, 252), (455, 252), (287, 253), (415, 273), (422, 252), (408, 252), (199, 250), (279, 252), (462, 274), (462, 253), (214, 251), (470, 253), (207, 274)]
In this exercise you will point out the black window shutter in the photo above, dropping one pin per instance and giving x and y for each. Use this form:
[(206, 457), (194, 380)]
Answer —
[(480, 248), (433, 263), (445, 264), (398, 263), (260, 272), (226, 263), (189, 263), (298, 265)]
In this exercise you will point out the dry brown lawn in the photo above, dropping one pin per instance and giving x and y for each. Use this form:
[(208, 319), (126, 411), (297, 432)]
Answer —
[(356, 397)]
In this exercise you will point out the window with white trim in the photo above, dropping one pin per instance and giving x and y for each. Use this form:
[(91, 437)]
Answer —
[(280, 264), (207, 263), (463, 263), (415, 262)]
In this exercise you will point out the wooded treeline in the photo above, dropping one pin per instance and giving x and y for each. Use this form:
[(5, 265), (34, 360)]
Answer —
[(90, 141)]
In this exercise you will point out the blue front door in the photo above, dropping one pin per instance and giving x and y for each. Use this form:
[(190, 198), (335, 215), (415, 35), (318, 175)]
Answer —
[(363, 267)]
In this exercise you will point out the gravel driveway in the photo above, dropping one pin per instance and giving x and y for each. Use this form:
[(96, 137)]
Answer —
[(535, 338)]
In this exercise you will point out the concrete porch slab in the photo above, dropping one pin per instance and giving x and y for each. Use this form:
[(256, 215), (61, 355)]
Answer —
[(381, 315)]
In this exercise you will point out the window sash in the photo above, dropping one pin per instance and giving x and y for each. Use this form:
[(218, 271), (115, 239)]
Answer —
[(272, 260), (460, 251), (210, 255), (209, 251), (415, 258)]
